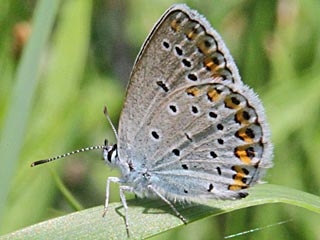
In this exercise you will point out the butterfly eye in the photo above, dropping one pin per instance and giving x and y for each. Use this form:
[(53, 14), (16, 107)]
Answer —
[(112, 153)]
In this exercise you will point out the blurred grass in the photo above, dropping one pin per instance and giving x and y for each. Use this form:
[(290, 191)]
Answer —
[(88, 59), (14, 127)]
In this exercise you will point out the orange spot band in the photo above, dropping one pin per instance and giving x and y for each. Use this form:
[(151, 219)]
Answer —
[(213, 95), (243, 135), (193, 91)]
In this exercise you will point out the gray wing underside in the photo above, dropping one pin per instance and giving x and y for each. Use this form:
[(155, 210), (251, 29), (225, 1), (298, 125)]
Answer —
[(210, 147), (169, 123), (157, 69)]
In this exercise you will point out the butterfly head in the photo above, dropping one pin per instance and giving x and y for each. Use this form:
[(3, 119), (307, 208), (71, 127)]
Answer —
[(110, 155)]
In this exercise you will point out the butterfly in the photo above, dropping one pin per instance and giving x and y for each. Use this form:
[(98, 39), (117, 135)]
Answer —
[(190, 129)]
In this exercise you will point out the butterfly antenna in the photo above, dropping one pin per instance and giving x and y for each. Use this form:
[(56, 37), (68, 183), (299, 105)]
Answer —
[(66, 155), (105, 111)]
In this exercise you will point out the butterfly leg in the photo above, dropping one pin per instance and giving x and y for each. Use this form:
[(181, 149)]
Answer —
[(168, 202), (124, 203), (110, 179)]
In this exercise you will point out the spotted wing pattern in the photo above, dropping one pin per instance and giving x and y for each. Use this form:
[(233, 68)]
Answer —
[(188, 118)]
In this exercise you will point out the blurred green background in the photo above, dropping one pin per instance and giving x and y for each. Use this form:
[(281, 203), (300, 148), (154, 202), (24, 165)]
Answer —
[(86, 64)]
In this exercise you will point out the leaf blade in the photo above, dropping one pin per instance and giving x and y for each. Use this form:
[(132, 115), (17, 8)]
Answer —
[(149, 218)]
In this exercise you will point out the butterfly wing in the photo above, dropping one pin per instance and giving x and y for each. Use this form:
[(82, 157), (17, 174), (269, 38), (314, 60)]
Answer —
[(220, 147), (176, 53), (168, 122)]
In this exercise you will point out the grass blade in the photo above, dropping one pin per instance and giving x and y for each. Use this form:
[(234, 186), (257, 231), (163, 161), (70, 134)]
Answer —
[(21, 98), (149, 218)]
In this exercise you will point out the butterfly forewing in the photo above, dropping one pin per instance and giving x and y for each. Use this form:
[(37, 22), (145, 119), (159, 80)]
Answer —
[(181, 50)]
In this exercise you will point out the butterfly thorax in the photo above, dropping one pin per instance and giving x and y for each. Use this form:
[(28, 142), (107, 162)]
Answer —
[(138, 177)]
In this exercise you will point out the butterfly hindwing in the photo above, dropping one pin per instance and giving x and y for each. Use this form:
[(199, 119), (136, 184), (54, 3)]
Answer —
[(217, 142)]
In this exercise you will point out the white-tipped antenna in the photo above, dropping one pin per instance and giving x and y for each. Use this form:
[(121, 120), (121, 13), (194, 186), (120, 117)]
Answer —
[(67, 154), (105, 111)]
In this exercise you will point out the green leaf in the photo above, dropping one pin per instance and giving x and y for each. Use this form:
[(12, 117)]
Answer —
[(148, 218)]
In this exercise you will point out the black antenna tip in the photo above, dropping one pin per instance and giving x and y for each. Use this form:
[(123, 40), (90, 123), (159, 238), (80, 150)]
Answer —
[(38, 163)]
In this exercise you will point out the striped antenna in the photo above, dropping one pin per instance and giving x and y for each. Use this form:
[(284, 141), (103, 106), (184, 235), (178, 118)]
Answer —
[(105, 111), (67, 154)]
